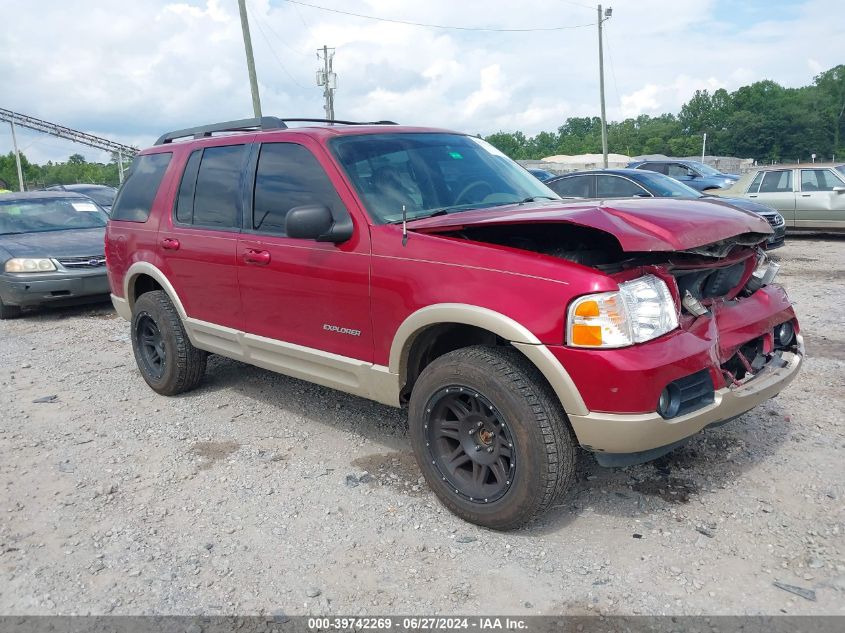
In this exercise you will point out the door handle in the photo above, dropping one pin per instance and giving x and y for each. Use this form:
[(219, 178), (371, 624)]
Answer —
[(170, 244), (256, 257), (805, 195), (752, 195)]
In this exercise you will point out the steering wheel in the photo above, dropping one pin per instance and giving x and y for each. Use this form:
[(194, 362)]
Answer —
[(473, 185)]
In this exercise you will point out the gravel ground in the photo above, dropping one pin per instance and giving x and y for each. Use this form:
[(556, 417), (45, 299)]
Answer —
[(260, 494)]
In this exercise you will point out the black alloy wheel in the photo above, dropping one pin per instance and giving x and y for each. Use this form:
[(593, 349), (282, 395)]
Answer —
[(471, 444), (151, 346)]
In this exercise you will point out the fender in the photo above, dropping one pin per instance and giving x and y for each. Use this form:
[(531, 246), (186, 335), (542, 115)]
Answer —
[(499, 324)]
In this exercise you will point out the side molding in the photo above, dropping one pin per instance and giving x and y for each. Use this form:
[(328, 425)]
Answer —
[(497, 323)]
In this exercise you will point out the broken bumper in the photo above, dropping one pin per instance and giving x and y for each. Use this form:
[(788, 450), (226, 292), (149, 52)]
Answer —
[(648, 433)]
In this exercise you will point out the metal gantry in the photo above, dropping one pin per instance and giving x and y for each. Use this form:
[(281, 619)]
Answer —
[(97, 142)]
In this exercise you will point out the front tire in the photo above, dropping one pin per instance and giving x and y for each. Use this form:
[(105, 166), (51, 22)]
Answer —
[(490, 436), (168, 361)]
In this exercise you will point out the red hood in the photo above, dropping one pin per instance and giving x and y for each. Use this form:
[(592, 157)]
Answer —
[(640, 225)]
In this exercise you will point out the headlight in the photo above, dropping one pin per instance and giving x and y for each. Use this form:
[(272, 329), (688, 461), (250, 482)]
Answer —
[(640, 311), (766, 270), (28, 265)]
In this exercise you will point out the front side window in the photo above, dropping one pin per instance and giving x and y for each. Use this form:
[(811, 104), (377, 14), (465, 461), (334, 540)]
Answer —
[(676, 170), (135, 199), (289, 176), (429, 173), (666, 187), (703, 168), (616, 187), (213, 200), (777, 182), (572, 187), (818, 180), (49, 214)]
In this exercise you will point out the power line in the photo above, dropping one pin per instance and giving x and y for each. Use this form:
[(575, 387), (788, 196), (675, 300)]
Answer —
[(439, 26), (612, 67), (269, 26), (272, 50)]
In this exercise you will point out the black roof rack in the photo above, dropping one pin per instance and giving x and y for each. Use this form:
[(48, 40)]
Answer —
[(245, 125)]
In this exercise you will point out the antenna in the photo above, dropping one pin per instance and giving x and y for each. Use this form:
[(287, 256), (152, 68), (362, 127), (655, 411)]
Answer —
[(404, 226)]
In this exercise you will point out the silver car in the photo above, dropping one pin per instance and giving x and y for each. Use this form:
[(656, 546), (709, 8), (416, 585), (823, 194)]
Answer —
[(809, 197)]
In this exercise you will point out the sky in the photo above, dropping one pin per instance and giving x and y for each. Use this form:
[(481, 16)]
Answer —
[(130, 71)]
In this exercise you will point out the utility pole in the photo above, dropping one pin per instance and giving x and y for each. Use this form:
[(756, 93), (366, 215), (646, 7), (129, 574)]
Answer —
[(703, 146), (328, 79), (250, 62), (603, 17), (17, 156), (120, 166)]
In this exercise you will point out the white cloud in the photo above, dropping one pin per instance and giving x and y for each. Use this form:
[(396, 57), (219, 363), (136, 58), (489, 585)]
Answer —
[(132, 73)]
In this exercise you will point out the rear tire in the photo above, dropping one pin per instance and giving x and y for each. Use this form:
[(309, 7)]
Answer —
[(490, 436), (167, 360), (9, 312)]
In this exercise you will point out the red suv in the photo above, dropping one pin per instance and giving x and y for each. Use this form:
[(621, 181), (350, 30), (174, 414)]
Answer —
[(423, 267)]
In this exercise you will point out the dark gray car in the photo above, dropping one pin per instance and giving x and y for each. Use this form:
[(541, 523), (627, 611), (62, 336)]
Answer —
[(51, 249)]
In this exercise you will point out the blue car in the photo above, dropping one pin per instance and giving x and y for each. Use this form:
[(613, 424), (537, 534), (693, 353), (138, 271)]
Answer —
[(605, 184), (690, 172), (541, 174)]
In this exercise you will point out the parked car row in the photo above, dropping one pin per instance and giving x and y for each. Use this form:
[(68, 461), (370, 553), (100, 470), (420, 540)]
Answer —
[(635, 183)]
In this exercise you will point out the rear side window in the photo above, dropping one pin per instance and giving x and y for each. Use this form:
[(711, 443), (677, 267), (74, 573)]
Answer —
[(660, 168), (210, 192), (289, 176), (777, 182), (135, 199), (572, 187)]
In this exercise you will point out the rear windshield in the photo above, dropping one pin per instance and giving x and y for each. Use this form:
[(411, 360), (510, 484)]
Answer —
[(49, 214), (104, 196), (135, 199)]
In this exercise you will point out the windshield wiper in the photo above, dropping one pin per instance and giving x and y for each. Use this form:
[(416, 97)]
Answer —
[(534, 199)]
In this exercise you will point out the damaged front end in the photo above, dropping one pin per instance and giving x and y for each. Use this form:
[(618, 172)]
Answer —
[(728, 322)]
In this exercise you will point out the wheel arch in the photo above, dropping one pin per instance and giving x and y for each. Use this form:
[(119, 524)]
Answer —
[(497, 325), (137, 272)]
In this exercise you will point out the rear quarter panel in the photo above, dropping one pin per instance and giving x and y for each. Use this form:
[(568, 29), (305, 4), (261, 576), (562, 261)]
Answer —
[(129, 242)]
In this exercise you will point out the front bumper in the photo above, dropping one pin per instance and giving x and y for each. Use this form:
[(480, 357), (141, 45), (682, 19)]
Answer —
[(41, 288), (776, 239), (635, 433)]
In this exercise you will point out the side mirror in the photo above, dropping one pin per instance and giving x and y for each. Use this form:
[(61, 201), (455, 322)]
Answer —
[(692, 174), (839, 189), (315, 222)]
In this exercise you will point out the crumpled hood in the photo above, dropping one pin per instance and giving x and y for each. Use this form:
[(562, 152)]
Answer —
[(639, 224), (67, 243)]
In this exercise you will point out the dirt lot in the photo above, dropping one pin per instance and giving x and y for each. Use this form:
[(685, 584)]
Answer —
[(263, 494)]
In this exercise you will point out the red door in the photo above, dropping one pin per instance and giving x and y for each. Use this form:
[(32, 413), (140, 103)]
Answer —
[(198, 245), (313, 294)]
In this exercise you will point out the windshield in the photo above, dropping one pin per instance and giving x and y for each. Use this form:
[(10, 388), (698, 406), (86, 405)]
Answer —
[(104, 196), (431, 173), (49, 214), (665, 187), (704, 170)]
